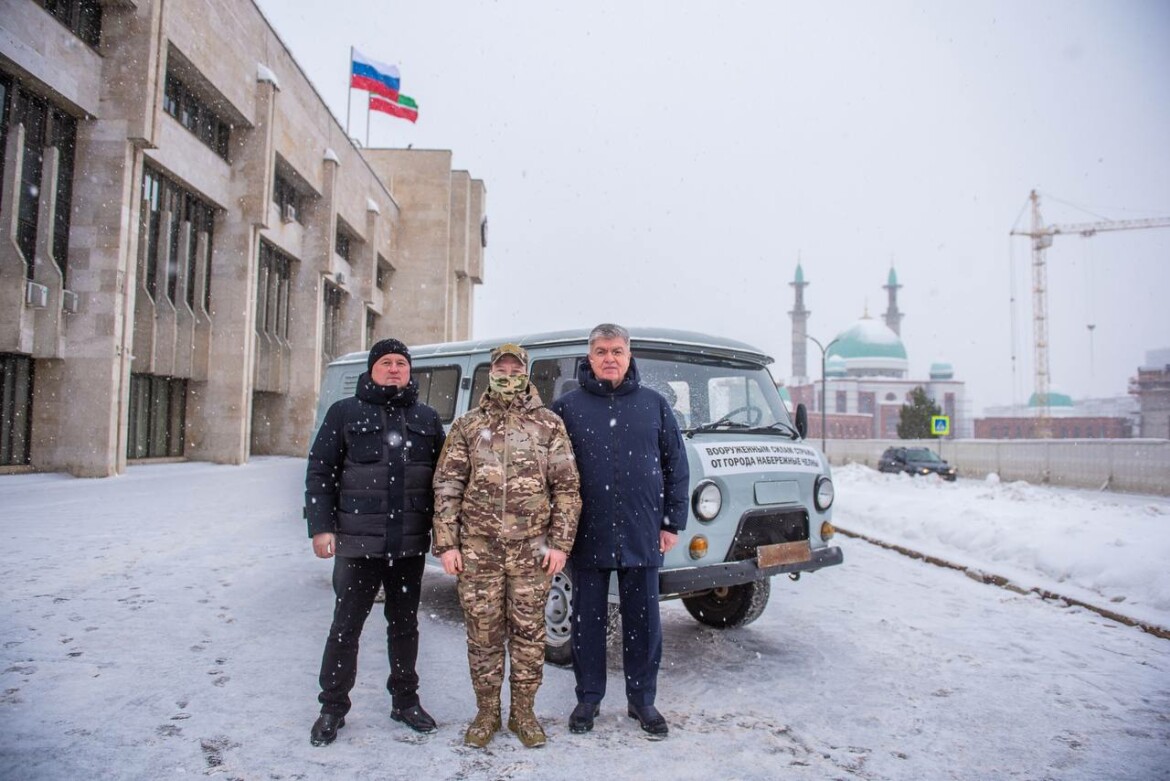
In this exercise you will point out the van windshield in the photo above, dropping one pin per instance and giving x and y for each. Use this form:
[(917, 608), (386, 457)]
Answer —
[(706, 393)]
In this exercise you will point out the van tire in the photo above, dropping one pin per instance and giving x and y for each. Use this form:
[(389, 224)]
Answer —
[(730, 606), (558, 612)]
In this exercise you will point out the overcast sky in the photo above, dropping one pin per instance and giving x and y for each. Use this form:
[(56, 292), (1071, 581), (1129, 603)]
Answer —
[(668, 163)]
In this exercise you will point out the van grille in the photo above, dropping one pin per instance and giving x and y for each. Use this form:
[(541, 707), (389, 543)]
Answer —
[(765, 527)]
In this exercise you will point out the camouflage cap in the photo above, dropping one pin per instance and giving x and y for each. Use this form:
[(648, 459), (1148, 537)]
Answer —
[(515, 350)]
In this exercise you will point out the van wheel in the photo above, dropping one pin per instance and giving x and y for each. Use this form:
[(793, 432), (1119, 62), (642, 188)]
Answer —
[(730, 606), (558, 626), (558, 611)]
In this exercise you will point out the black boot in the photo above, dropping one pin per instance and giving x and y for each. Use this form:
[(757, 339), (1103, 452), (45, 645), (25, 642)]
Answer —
[(650, 719), (581, 719), (325, 729), (414, 717)]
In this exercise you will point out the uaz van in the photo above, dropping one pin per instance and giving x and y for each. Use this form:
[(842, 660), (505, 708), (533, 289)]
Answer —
[(761, 497)]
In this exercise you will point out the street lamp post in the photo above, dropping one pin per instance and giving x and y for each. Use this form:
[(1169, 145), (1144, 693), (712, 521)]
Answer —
[(824, 350)]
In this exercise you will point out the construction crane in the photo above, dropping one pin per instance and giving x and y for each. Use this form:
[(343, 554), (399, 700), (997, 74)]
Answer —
[(1042, 236)]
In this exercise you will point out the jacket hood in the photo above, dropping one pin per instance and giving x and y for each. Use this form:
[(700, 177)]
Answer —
[(386, 395), (589, 382)]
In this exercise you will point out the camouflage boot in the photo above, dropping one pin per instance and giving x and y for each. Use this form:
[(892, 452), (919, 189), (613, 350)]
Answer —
[(486, 722), (522, 720)]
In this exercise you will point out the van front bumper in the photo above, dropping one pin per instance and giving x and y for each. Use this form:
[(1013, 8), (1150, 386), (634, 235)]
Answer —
[(734, 573)]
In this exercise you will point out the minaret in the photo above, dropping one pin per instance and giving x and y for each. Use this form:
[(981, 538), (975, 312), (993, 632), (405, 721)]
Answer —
[(799, 326), (893, 316)]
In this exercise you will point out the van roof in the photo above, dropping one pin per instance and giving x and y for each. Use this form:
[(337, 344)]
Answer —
[(687, 341)]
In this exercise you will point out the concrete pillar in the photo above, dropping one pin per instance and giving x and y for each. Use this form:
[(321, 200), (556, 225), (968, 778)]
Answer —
[(81, 402), (48, 322), (165, 314), (184, 316), (16, 321)]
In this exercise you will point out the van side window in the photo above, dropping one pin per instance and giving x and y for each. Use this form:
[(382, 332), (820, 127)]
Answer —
[(479, 382), (553, 377), (437, 387)]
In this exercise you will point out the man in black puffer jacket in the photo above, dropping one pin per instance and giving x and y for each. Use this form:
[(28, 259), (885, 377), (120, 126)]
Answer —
[(368, 501)]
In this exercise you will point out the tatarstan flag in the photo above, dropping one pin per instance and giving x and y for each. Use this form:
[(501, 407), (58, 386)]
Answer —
[(403, 107)]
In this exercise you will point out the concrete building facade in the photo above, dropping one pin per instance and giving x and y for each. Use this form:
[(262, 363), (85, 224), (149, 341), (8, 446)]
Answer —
[(188, 236)]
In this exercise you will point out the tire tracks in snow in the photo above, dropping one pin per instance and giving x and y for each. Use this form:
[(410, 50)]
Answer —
[(1004, 583)]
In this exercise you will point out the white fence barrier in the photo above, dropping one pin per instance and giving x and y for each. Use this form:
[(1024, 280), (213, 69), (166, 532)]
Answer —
[(1131, 465)]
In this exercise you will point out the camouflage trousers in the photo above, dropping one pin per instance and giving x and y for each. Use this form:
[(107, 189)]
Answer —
[(503, 590)]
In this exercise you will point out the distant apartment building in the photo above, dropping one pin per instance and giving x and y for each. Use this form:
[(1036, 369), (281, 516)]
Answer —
[(187, 237)]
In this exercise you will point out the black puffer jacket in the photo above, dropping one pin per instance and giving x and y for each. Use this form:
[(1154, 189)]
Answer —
[(370, 471)]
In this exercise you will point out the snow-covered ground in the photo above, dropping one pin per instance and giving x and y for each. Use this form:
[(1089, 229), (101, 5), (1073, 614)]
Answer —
[(168, 623), (1105, 549)]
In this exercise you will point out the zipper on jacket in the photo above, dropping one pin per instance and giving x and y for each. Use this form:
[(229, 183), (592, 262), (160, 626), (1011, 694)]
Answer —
[(504, 494)]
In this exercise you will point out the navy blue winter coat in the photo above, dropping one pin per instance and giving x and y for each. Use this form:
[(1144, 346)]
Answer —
[(633, 465), (370, 470)]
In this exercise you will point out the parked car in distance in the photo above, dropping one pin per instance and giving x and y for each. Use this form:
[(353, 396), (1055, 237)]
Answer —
[(916, 461)]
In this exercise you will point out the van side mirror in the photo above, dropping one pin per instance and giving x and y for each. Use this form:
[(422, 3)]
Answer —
[(801, 421)]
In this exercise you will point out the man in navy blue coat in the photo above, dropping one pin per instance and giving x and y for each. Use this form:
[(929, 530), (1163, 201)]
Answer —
[(634, 480)]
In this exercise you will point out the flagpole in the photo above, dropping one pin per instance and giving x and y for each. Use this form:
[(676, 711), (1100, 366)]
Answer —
[(348, 91), (367, 121)]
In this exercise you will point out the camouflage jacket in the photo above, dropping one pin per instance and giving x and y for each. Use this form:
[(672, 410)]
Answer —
[(507, 471)]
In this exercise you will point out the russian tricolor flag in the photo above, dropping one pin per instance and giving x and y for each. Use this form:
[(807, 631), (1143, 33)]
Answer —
[(374, 76)]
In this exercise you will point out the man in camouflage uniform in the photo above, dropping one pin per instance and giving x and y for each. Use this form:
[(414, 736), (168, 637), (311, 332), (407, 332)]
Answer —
[(507, 502)]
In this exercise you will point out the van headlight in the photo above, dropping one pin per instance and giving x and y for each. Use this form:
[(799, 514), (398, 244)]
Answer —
[(823, 493), (707, 500)]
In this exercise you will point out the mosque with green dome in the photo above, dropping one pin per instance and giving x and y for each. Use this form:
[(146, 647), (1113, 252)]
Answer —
[(867, 374)]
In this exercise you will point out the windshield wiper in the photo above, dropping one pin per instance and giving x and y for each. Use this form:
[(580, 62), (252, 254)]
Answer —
[(723, 422), (778, 424)]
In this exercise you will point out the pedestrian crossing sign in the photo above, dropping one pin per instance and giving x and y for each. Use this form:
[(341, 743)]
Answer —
[(940, 425)]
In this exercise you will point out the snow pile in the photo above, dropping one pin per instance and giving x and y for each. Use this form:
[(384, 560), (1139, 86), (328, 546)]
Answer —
[(1105, 549)]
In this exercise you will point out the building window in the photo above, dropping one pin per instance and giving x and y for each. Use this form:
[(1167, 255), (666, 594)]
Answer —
[(16, 395), (331, 341), (866, 403), (44, 126), (193, 113), (286, 198), (157, 419), (842, 399), (341, 245), (163, 196), (382, 274), (272, 290), (82, 17), (371, 327)]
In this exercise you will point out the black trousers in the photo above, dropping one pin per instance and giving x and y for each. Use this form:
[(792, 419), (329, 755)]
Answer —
[(641, 632), (355, 582)]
